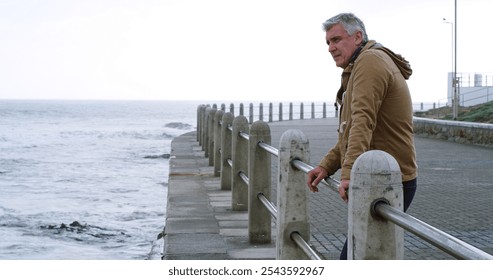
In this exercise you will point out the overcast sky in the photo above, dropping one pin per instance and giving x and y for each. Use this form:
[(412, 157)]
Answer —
[(222, 50)]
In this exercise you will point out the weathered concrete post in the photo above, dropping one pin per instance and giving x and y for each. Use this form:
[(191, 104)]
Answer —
[(239, 196), (292, 201), (210, 148), (232, 108), (198, 122), (242, 113), (291, 111), (302, 111), (205, 146), (259, 169), (280, 112), (261, 112), (203, 126), (270, 112), (226, 151), (375, 175), (250, 120), (313, 110), (218, 117), (324, 110)]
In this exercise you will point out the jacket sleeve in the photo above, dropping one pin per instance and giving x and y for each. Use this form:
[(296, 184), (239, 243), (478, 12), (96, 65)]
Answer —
[(332, 160), (370, 81)]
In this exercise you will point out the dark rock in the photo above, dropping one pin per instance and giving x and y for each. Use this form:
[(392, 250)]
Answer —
[(77, 224), (158, 156), (161, 234)]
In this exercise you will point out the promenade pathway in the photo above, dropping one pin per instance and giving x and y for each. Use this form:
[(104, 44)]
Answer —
[(455, 193)]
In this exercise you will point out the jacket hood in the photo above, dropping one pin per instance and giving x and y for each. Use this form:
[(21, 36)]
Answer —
[(399, 61)]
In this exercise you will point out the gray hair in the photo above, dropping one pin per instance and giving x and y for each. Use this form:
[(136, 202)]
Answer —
[(349, 21)]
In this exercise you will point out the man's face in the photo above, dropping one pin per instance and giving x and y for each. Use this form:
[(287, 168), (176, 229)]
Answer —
[(342, 45)]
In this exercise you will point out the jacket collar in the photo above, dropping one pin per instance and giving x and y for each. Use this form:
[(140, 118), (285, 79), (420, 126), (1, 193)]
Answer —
[(368, 45), (347, 71)]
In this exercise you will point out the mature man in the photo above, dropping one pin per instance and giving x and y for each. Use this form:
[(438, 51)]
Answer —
[(376, 109)]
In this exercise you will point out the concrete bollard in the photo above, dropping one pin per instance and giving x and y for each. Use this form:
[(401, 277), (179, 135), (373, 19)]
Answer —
[(280, 112), (292, 203), (198, 122), (259, 169), (250, 119), (239, 195), (226, 151), (261, 112), (302, 111), (202, 126), (242, 110), (232, 108), (218, 117), (375, 175), (324, 110), (270, 112), (205, 146), (313, 110), (291, 111), (210, 132)]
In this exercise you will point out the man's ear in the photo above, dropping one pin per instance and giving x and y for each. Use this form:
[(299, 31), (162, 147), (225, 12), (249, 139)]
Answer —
[(358, 38)]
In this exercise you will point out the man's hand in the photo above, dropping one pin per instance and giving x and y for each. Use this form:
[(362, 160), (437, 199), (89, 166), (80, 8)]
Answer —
[(343, 187), (315, 176)]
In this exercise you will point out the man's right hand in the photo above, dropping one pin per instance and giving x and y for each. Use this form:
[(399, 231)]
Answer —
[(315, 176)]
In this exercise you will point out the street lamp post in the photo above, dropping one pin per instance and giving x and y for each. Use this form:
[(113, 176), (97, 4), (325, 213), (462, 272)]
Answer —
[(455, 81), (452, 79)]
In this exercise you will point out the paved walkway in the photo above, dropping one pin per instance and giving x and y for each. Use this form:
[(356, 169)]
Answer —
[(455, 190)]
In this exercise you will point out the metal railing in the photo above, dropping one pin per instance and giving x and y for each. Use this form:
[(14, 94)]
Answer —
[(283, 111), (245, 169)]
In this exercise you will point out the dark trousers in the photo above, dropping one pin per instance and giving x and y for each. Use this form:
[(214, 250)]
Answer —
[(409, 189)]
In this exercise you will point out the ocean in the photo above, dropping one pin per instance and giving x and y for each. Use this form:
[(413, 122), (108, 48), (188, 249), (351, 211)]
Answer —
[(86, 180)]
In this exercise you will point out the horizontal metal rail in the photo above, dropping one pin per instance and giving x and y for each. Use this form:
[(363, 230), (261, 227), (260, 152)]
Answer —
[(295, 236), (302, 166), (328, 182), (269, 149), (298, 239), (244, 177), (449, 244), (270, 207), (244, 135)]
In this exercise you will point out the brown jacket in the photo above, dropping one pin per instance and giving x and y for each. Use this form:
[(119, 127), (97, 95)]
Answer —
[(376, 112)]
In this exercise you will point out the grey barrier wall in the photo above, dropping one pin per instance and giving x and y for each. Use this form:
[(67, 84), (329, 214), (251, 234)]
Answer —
[(375, 192), (460, 132)]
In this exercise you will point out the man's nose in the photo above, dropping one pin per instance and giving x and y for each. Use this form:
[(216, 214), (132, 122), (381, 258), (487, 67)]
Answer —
[(331, 48)]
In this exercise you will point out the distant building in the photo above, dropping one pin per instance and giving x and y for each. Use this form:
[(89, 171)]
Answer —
[(473, 88)]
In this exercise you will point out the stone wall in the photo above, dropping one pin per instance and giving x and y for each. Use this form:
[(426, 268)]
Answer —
[(460, 132)]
